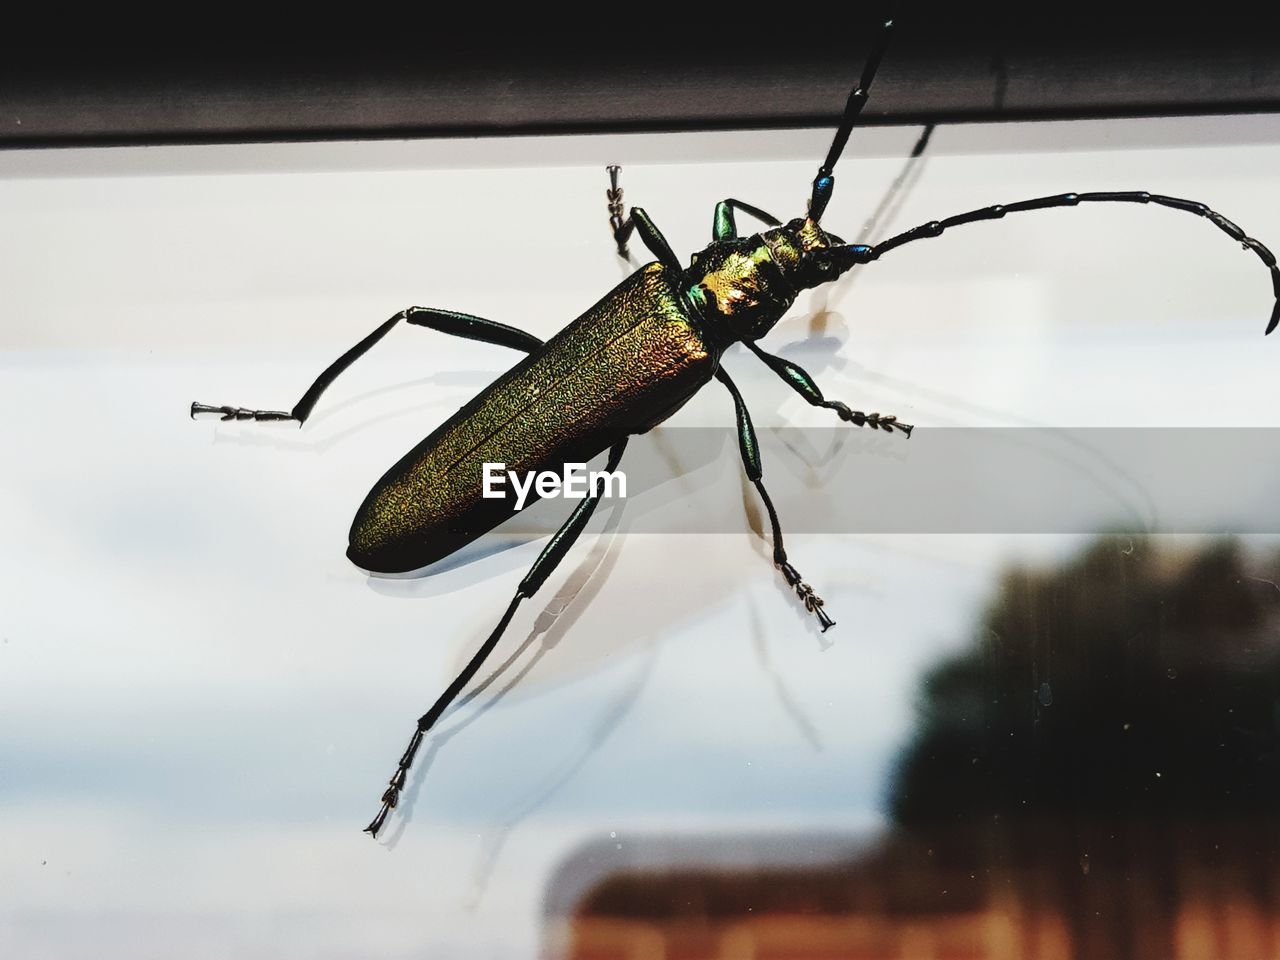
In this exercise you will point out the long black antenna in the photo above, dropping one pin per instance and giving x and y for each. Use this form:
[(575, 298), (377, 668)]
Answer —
[(824, 183), (834, 261)]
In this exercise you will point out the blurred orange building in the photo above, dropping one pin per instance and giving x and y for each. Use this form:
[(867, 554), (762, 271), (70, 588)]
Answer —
[(1175, 891)]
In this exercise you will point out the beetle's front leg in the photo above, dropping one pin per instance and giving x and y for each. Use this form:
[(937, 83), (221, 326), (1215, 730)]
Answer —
[(444, 321), (800, 381)]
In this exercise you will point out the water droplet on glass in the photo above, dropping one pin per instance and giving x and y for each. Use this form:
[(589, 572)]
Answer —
[(1046, 695), (613, 834)]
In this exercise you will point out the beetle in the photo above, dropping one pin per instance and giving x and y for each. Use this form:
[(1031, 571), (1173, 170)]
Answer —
[(625, 365)]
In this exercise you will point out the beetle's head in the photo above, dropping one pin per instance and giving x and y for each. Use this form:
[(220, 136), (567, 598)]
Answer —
[(809, 255), (748, 283)]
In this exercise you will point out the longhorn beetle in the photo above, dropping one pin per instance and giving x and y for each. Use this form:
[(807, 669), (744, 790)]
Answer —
[(624, 366)]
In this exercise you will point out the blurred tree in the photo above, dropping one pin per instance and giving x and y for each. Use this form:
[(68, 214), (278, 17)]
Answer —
[(1097, 775), (1134, 682)]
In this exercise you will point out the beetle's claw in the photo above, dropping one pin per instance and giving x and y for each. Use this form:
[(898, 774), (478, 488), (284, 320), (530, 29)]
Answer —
[(812, 602), (224, 412), (376, 824), (390, 797), (888, 423), (826, 622)]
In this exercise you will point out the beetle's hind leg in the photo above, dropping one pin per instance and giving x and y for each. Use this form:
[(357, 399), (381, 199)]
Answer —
[(795, 377), (543, 567), (445, 321), (750, 448)]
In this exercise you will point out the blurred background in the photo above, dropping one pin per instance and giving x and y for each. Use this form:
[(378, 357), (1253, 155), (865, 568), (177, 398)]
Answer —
[(1093, 774), (1051, 733)]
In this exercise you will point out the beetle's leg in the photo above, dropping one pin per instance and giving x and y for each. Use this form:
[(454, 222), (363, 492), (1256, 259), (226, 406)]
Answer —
[(799, 380), (621, 228), (639, 220), (723, 226), (844, 257), (542, 568), (445, 321), (654, 240), (750, 449)]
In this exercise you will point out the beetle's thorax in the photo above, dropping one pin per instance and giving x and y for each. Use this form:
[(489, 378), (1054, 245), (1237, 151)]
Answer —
[(742, 287)]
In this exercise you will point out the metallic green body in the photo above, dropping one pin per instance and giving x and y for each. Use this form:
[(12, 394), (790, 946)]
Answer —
[(622, 367)]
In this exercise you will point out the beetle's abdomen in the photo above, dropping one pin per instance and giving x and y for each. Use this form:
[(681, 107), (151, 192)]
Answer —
[(623, 366)]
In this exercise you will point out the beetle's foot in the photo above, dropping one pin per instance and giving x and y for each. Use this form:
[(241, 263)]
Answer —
[(390, 797), (876, 421), (376, 824), (621, 234), (240, 413), (812, 602), (621, 228)]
